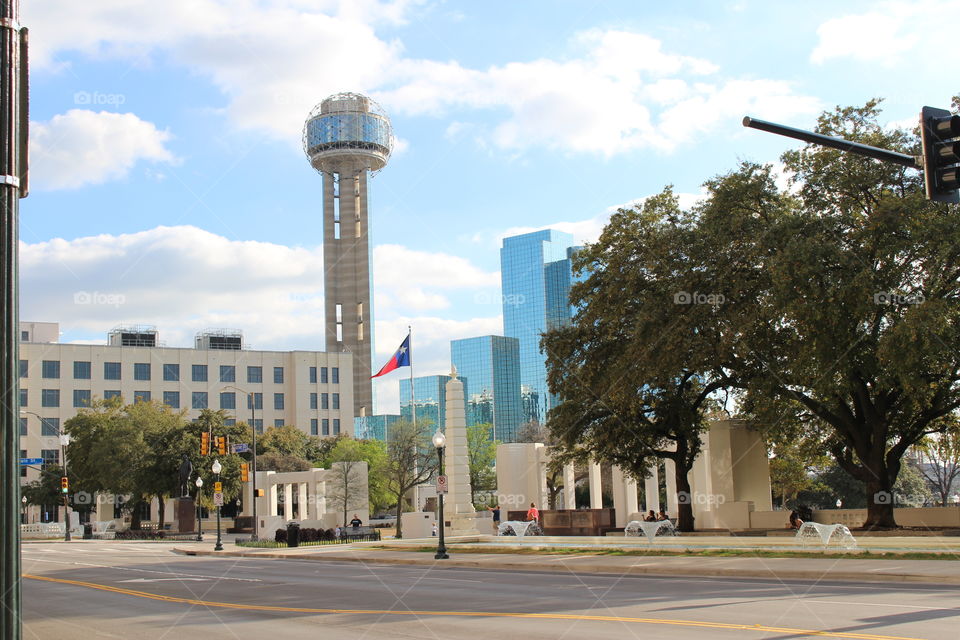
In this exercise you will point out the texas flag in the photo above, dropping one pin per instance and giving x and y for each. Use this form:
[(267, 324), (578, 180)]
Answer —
[(400, 359)]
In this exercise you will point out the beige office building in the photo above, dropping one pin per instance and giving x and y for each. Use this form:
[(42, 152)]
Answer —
[(309, 389)]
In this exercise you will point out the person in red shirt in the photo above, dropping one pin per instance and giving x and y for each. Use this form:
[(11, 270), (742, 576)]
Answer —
[(533, 514)]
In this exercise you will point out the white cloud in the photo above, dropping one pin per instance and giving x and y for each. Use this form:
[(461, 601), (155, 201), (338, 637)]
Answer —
[(83, 147), (888, 33), (274, 60)]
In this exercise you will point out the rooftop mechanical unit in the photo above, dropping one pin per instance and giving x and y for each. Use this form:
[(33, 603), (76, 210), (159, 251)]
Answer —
[(133, 336), (220, 340)]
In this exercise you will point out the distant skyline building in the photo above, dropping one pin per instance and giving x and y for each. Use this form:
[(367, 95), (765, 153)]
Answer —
[(430, 398), (536, 275), (347, 137), (376, 427), (492, 364)]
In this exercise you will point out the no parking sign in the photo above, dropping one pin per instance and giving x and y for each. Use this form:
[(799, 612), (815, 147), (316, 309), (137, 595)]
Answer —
[(441, 485)]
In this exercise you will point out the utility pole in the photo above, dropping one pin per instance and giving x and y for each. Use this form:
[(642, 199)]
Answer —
[(14, 91)]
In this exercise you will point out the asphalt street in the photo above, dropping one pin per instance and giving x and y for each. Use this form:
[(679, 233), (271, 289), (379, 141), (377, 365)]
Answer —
[(142, 590)]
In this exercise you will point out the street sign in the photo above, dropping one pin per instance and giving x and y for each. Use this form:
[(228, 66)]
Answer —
[(218, 487), (31, 460), (241, 448), (218, 499), (441, 485)]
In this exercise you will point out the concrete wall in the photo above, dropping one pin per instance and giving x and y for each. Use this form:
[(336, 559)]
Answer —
[(906, 517)]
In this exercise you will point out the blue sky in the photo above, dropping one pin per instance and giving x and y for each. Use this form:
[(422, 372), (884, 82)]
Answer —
[(169, 187)]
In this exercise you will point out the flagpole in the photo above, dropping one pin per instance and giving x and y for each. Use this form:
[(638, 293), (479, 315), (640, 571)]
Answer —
[(413, 395)]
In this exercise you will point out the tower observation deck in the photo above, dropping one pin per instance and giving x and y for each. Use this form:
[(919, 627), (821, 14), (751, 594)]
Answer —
[(347, 138)]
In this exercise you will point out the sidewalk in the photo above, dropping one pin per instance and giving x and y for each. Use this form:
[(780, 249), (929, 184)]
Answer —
[(942, 572)]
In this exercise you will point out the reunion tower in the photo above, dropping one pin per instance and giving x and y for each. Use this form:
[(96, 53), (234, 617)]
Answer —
[(347, 138)]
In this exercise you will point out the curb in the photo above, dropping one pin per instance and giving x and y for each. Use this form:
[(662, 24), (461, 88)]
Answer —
[(629, 570)]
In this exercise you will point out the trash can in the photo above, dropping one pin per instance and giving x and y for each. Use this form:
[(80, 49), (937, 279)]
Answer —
[(293, 534), (88, 532)]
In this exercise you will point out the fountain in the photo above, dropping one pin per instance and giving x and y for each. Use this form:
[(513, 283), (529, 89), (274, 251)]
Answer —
[(825, 534), (650, 529), (519, 529)]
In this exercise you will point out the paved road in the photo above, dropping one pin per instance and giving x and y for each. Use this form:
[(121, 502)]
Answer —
[(142, 590)]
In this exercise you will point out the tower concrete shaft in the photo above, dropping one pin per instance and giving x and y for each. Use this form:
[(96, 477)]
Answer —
[(347, 274)]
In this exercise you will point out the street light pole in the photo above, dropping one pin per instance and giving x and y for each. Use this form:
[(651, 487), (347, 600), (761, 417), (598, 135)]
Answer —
[(439, 440), (217, 467), (199, 484)]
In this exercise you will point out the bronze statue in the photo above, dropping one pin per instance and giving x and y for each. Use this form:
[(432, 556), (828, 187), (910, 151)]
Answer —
[(186, 470)]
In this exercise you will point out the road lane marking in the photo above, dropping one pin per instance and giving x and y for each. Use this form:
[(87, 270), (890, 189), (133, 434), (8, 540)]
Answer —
[(472, 614), (166, 573), (167, 579)]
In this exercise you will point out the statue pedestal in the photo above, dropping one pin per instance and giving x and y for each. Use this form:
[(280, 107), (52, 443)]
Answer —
[(184, 515)]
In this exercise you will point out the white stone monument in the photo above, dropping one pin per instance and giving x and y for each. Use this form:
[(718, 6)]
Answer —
[(458, 508)]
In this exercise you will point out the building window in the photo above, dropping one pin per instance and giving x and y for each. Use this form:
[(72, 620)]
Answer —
[(324, 400), (278, 422), (323, 375), (50, 456), (25, 336), (50, 397), (336, 401), (255, 374), (228, 400), (23, 429), (81, 370), (110, 394), (313, 374), (228, 373), (336, 426), (278, 375), (141, 396), (49, 426), (141, 370), (111, 370), (81, 397), (314, 427), (23, 397), (278, 401), (50, 369), (335, 375), (258, 424), (199, 373), (199, 400), (313, 401), (171, 373), (326, 427), (229, 422), (23, 469), (257, 401), (171, 399), (24, 368)]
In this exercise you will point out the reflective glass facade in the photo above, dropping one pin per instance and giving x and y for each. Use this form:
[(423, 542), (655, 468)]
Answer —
[(348, 130), (536, 274), (492, 364), (374, 427), (431, 398)]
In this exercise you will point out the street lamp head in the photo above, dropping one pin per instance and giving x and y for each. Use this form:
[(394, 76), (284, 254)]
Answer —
[(199, 482), (65, 439), (23, 499), (439, 440), (217, 467)]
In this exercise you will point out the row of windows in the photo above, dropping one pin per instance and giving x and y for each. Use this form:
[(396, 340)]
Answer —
[(315, 427), (198, 399), (171, 372)]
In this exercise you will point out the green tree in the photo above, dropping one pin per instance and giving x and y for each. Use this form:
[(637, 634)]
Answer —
[(482, 453), (938, 458), (347, 468), (411, 460)]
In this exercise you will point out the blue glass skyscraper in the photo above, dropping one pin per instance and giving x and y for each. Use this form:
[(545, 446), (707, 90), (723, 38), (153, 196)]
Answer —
[(492, 364), (536, 274), (374, 427), (430, 398)]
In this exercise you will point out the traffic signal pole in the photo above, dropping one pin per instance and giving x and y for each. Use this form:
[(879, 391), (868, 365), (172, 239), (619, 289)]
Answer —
[(13, 186)]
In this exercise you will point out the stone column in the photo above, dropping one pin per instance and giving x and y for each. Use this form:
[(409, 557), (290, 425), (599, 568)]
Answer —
[(458, 503), (669, 470), (273, 489), (619, 503), (287, 501), (569, 487), (596, 487), (631, 494), (303, 507), (651, 489)]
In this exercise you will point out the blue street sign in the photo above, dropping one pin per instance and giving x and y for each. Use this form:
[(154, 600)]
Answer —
[(31, 460), (241, 448)]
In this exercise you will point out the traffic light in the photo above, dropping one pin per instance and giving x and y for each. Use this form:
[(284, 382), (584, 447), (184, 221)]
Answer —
[(260, 493), (205, 443), (64, 485), (244, 472), (940, 136), (222, 445)]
